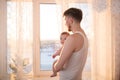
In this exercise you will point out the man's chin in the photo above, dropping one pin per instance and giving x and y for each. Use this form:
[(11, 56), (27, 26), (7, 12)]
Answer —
[(69, 30)]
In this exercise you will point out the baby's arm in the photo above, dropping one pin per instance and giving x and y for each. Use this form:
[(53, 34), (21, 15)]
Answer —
[(54, 72), (57, 53)]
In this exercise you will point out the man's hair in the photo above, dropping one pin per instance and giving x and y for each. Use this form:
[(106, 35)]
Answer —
[(74, 13)]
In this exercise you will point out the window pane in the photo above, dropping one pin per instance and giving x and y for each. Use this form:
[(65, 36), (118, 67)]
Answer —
[(50, 28)]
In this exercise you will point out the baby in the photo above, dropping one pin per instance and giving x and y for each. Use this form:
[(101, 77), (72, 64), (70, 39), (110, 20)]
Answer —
[(63, 37)]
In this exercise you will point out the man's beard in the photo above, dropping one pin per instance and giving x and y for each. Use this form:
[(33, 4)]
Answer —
[(69, 28)]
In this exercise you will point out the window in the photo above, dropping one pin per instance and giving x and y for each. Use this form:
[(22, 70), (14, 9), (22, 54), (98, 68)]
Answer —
[(48, 25), (50, 30)]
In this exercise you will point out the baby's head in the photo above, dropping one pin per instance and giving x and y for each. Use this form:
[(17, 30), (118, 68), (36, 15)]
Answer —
[(63, 37)]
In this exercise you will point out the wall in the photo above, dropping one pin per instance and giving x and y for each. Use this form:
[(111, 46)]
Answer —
[(3, 30)]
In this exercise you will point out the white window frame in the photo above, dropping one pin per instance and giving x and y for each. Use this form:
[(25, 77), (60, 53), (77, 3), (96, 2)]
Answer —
[(36, 38)]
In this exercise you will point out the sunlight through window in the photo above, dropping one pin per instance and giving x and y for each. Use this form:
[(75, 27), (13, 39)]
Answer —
[(50, 28)]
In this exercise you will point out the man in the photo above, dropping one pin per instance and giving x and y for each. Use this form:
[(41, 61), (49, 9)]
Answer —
[(74, 52)]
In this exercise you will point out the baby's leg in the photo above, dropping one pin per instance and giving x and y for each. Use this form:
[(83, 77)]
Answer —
[(54, 73)]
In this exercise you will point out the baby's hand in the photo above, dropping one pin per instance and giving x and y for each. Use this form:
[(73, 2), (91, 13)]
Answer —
[(53, 56)]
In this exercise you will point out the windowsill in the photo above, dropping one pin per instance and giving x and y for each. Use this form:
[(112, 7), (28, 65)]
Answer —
[(46, 78)]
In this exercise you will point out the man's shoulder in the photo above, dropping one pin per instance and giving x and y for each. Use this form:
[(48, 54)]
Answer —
[(71, 36), (77, 35)]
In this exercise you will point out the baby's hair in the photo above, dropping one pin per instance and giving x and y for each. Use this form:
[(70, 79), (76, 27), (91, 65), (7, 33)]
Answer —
[(65, 33)]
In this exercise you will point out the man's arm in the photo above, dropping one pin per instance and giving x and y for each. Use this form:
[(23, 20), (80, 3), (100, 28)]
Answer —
[(65, 54)]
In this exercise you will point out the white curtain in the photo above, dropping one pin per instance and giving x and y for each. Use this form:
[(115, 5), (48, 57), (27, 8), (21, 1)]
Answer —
[(115, 21), (19, 38), (101, 44)]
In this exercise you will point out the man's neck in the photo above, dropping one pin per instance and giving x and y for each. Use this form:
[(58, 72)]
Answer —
[(76, 27)]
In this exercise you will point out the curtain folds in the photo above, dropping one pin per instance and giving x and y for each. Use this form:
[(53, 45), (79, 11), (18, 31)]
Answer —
[(102, 42), (19, 39), (115, 22)]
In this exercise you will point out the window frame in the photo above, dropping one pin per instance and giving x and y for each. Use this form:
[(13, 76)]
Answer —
[(36, 37)]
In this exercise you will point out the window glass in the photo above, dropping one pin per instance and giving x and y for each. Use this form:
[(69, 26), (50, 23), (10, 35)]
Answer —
[(50, 28)]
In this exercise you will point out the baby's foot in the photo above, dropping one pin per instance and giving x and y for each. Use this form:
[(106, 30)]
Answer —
[(53, 75)]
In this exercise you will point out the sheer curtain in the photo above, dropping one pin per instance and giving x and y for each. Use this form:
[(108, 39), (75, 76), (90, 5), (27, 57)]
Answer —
[(19, 38), (102, 41), (115, 21)]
